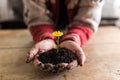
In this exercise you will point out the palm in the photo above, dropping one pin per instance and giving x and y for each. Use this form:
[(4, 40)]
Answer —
[(40, 47), (75, 48)]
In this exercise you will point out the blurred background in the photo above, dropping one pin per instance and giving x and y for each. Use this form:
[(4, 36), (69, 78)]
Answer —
[(11, 12)]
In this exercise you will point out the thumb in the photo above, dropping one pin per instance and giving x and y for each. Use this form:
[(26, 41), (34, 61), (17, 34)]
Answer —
[(31, 54), (81, 57)]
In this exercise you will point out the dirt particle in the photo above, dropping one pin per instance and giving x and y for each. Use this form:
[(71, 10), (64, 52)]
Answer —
[(65, 77)]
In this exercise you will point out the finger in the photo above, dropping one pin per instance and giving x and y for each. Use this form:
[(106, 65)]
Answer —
[(62, 66), (81, 58), (48, 67), (36, 62), (32, 53), (27, 58), (73, 64)]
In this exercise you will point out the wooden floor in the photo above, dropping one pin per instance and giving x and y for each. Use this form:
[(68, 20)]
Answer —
[(102, 51)]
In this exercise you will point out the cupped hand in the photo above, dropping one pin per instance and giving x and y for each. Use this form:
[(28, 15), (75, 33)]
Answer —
[(76, 49), (39, 48), (54, 68)]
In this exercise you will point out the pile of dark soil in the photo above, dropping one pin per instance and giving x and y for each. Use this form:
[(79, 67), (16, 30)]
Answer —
[(52, 56)]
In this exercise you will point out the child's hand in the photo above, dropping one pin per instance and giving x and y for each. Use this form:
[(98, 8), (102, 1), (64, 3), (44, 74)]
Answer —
[(40, 47), (54, 68), (75, 47)]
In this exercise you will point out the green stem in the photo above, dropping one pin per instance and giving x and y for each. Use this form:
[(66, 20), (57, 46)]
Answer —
[(58, 44)]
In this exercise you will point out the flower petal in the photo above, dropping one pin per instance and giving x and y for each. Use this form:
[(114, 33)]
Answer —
[(57, 33)]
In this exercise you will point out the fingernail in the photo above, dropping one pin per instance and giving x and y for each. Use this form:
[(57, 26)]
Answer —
[(82, 63), (27, 60), (39, 64)]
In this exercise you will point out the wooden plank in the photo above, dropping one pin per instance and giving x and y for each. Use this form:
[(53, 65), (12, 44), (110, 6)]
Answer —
[(22, 38), (106, 35), (102, 64), (15, 38), (102, 51)]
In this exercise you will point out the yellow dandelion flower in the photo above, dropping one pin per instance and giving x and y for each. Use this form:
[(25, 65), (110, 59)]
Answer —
[(57, 33)]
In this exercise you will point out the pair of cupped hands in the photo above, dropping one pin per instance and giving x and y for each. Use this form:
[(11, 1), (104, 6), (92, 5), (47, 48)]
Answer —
[(48, 44)]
